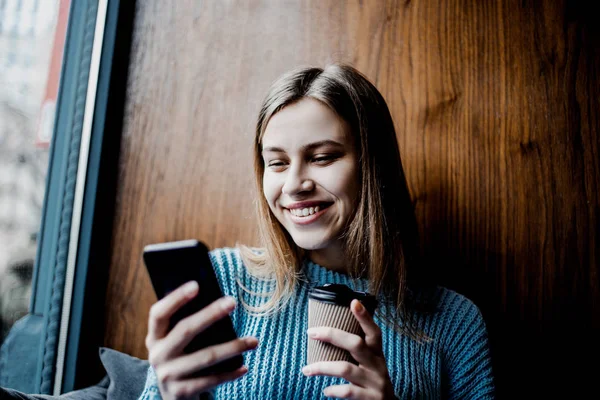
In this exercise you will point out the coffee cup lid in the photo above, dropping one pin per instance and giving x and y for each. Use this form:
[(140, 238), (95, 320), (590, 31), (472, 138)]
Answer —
[(342, 295)]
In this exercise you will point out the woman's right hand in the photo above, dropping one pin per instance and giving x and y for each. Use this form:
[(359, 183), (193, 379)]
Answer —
[(165, 349)]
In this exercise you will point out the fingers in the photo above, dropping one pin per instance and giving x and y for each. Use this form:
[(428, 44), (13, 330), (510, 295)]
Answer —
[(186, 329), (185, 365), (192, 387), (348, 392), (162, 310), (165, 348), (342, 369), (347, 341), (368, 325)]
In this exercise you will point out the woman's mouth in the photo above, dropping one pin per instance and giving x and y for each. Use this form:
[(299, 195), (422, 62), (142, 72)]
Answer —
[(304, 216)]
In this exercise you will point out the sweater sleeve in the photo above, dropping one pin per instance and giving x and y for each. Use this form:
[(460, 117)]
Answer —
[(150, 391), (468, 360)]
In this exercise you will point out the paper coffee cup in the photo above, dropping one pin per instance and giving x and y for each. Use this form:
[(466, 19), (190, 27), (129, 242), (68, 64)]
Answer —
[(329, 305)]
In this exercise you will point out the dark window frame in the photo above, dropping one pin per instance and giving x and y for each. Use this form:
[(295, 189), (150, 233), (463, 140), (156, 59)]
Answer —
[(30, 354)]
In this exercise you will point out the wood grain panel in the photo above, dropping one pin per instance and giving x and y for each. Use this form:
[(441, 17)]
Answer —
[(496, 107)]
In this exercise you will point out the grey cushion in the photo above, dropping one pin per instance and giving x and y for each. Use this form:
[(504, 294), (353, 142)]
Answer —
[(127, 374), (125, 379)]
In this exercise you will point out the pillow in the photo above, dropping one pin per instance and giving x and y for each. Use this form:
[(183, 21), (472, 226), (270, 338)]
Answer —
[(127, 374)]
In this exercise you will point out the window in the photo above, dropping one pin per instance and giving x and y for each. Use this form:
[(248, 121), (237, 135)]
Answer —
[(31, 44), (54, 236)]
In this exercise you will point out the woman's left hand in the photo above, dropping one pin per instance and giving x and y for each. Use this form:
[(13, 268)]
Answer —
[(369, 379)]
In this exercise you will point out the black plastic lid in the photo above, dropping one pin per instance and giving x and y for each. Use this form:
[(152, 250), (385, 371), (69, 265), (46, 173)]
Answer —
[(342, 295)]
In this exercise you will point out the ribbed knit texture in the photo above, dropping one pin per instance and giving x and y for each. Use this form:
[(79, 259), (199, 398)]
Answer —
[(455, 364)]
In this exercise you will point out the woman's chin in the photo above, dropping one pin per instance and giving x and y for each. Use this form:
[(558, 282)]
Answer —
[(309, 244)]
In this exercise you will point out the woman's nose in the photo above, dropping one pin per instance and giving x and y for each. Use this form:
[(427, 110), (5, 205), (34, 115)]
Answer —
[(297, 182)]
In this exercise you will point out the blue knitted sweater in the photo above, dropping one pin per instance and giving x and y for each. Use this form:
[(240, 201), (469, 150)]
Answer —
[(455, 364)]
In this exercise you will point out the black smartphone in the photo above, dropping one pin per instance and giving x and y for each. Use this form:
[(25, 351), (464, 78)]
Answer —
[(172, 264)]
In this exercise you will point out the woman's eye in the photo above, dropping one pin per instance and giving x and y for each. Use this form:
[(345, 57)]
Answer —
[(324, 159), (275, 164)]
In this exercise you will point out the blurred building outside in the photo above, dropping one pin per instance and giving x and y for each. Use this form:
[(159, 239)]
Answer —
[(30, 58)]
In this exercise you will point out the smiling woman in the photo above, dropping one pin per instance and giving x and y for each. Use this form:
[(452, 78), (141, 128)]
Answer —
[(333, 208)]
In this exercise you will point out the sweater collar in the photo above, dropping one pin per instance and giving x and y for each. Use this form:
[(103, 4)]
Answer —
[(318, 276)]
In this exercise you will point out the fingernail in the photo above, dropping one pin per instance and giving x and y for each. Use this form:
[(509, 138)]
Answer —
[(227, 303), (190, 288), (306, 370), (251, 341), (312, 333), (359, 307)]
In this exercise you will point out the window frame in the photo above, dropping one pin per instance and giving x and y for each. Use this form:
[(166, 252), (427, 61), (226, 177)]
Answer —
[(65, 324)]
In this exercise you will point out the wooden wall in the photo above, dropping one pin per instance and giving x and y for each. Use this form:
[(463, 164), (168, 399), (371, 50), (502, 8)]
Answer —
[(496, 108)]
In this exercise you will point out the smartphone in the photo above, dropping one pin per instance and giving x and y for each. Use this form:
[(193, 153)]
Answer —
[(172, 264)]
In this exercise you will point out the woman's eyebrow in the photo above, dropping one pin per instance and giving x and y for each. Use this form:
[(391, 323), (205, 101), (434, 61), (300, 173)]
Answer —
[(306, 147)]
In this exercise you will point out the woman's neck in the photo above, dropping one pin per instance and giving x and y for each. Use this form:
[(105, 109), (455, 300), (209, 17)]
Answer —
[(331, 258)]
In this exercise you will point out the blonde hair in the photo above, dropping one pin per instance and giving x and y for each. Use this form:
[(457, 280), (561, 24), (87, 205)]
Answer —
[(382, 239)]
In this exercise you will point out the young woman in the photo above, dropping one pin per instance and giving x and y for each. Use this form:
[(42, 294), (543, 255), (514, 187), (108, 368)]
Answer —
[(333, 207)]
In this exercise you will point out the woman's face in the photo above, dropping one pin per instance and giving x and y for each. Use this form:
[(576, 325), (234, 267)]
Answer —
[(311, 173)]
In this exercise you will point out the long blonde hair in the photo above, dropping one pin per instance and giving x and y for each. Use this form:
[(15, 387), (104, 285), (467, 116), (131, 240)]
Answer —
[(382, 239)]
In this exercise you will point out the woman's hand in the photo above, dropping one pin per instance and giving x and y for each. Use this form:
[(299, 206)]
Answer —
[(369, 379), (165, 349)]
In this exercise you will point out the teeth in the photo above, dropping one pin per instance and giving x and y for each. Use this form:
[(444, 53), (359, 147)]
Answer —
[(304, 212)]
